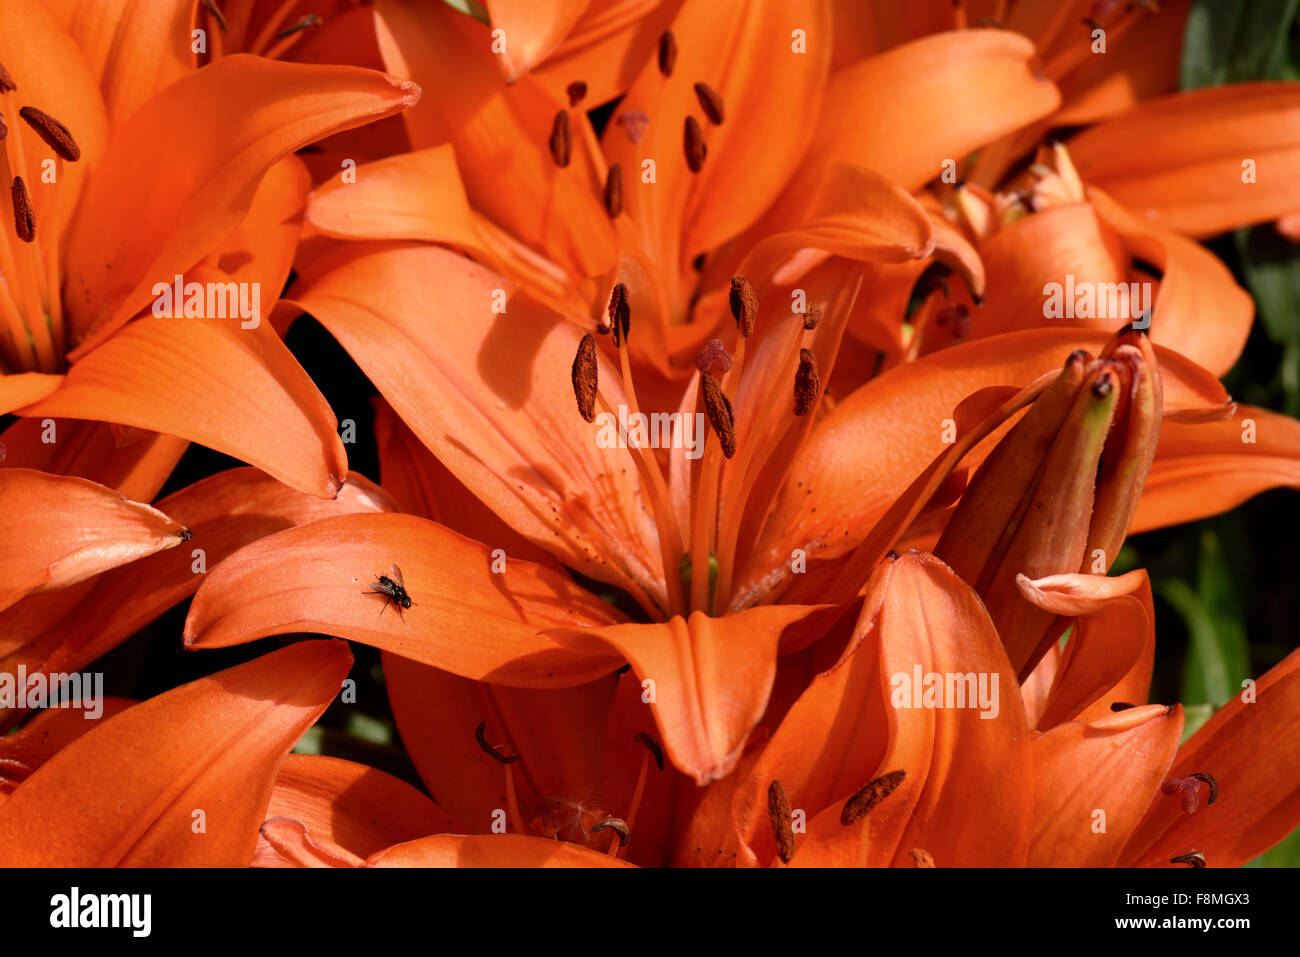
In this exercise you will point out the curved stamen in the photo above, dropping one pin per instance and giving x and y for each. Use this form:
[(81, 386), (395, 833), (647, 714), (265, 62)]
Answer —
[(652, 745), (489, 750), (615, 824)]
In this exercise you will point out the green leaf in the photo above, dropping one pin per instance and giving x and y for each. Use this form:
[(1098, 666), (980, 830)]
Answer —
[(1217, 659), (1194, 716), (1229, 42), (1284, 854), (1271, 267)]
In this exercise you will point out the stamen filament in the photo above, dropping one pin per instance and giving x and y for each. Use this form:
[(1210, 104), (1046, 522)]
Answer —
[(272, 27), (25, 274), (670, 542), (512, 802), (615, 846), (741, 479), (1074, 54), (292, 35)]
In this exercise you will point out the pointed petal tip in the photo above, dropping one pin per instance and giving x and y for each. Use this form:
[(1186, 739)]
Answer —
[(411, 91)]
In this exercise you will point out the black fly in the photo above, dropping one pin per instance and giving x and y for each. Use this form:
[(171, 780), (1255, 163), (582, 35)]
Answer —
[(393, 589)]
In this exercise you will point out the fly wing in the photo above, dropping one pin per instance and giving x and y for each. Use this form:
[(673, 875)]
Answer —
[(397, 575)]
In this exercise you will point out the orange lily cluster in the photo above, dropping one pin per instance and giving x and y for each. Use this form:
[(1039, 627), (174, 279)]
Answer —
[(757, 430)]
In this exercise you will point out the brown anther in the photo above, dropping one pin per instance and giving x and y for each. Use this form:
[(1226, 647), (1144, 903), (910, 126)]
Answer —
[(54, 133), (615, 824), (667, 53), (921, 858), (4, 129), (561, 141), (1121, 706), (812, 318), (744, 305), (778, 809), (620, 313), (652, 745), (721, 416), (714, 358), (576, 91), (862, 803), (585, 377), (491, 751), (1209, 780), (186, 534), (310, 20), (807, 383), (211, 6), (696, 148), (710, 103), (1102, 387), (1193, 858), (6, 81), (24, 217), (614, 191)]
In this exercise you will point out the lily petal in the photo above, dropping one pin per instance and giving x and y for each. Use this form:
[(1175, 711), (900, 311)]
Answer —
[(1109, 655), (60, 530), (226, 125), (59, 632), (492, 397), (134, 48), (500, 134), (46, 735), (124, 793), (490, 850), (135, 465), (1191, 174), (941, 97), (557, 735), (1252, 748), (360, 809), (25, 388), (710, 678), (533, 30), (1081, 770), (465, 618), (1204, 468), (839, 482), (239, 391)]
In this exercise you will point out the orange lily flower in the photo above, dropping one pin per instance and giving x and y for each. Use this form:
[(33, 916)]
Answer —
[(644, 203), (507, 428), (1072, 769), (92, 241)]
